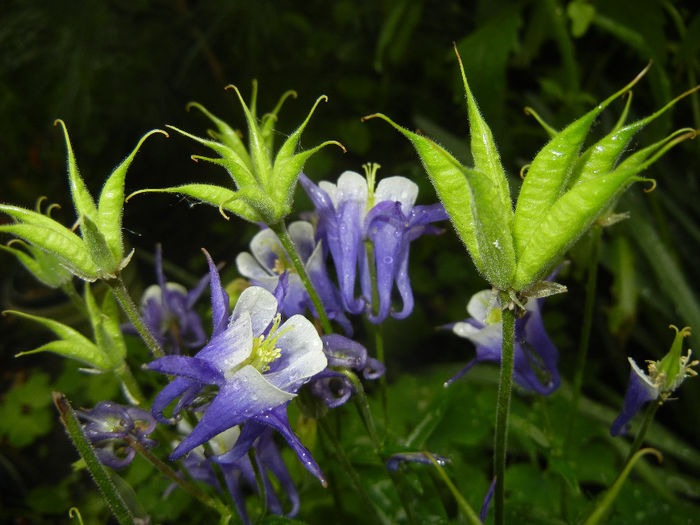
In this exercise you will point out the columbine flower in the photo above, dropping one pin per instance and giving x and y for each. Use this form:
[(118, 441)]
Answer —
[(535, 356), (333, 387), (352, 212), (256, 365), (664, 377), (167, 311), (269, 260), (108, 424), (241, 472)]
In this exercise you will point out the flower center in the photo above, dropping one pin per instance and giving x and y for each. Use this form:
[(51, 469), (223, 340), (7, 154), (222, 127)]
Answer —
[(265, 350)]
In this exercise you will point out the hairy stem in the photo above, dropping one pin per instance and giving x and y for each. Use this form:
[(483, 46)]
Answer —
[(127, 304), (288, 244), (505, 386)]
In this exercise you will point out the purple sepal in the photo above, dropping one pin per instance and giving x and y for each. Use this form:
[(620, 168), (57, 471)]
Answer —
[(487, 501), (396, 460), (108, 424), (333, 388), (639, 391)]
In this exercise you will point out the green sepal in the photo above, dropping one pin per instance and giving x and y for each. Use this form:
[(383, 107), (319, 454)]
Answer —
[(259, 153), (268, 120), (105, 328), (602, 156), (287, 172), (447, 175), (238, 167), (45, 266), (64, 244), (483, 148), (578, 208), (111, 202), (226, 135), (82, 200), (217, 196), (550, 171), (671, 365), (101, 255), (72, 344), (493, 229)]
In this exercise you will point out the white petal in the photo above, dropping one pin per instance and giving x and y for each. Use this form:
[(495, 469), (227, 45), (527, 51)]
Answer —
[(260, 304), (481, 304), (302, 233), (224, 442), (490, 335), (302, 352), (398, 189), (266, 248), (352, 186), (232, 346), (640, 373), (249, 267)]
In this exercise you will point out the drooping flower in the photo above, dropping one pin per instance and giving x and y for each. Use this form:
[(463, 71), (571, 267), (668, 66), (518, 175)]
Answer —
[(168, 313), (268, 260), (664, 377), (240, 473), (107, 426), (333, 387), (535, 356), (255, 363), (353, 212)]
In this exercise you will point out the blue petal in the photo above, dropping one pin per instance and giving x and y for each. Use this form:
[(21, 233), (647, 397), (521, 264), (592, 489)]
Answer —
[(242, 397), (639, 392), (277, 419), (219, 298), (188, 367)]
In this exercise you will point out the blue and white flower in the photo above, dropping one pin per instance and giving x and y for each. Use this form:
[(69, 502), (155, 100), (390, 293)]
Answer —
[(253, 367), (535, 356), (352, 212)]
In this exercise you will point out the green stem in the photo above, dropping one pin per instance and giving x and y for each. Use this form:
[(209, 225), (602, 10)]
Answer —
[(362, 404), (69, 289), (606, 502), (352, 474), (127, 304), (463, 504), (288, 244), (132, 389), (649, 414), (102, 479), (215, 504), (586, 325), (505, 386)]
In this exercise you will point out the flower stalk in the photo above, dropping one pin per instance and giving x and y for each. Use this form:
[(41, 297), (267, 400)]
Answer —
[(126, 302), (280, 230), (505, 386)]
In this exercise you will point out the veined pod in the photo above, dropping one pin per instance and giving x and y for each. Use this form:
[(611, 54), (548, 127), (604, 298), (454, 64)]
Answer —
[(548, 175), (576, 210), (451, 184)]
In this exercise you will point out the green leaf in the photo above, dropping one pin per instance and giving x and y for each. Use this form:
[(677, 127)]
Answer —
[(217, 196), (82, 200), (269, 119), (581, 15), (111, 203), (447, 175), (549, 173), (24, 414)]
